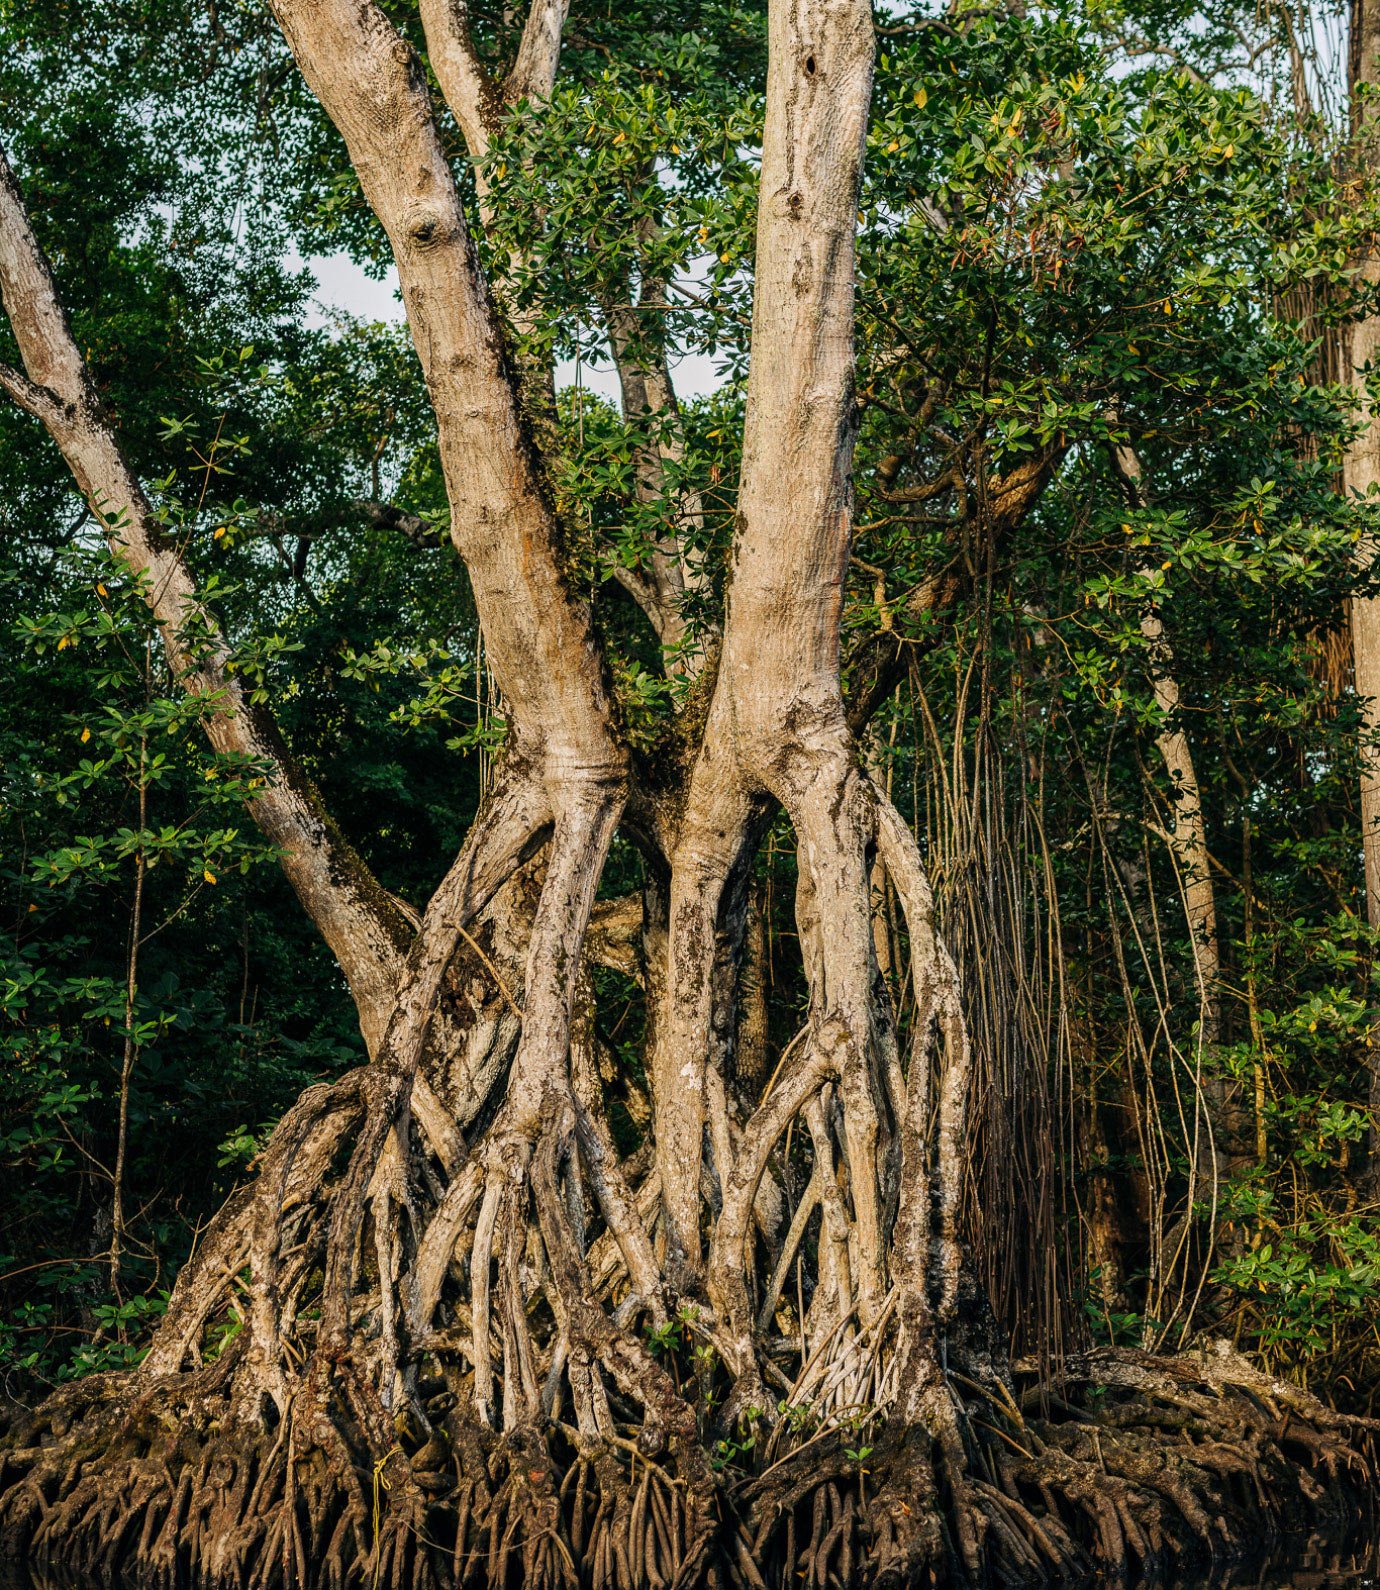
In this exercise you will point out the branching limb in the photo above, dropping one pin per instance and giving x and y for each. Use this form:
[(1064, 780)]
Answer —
[(363, 927), (539, 635)]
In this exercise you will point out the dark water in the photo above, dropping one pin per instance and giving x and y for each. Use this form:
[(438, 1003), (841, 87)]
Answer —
[(1298, 1565)]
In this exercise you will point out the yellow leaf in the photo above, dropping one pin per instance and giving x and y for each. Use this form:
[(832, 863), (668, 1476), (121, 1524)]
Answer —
[(621, 138), (64, 643), (724, 258), (892, 147), (921, 97), (101, 590), (1127, 528), (85, 735), (1166, 565), (209, 876), (33, 908), (219, 533), (1229, 151)]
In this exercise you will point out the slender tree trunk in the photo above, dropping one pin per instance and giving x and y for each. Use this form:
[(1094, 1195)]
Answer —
[(1361, 477), (130, 1051), (1224, 1138), (365, 929), (1188, 829)]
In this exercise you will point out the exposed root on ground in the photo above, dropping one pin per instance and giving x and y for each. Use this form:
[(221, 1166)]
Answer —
[(457, 1333), (1134, 1466)]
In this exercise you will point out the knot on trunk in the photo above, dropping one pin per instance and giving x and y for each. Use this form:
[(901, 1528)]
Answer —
[(427, 228)]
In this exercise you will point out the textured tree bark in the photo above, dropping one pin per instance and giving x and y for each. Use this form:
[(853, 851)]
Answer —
[(476, 1341), (1361, 476), (479, 103), (776, 726), (365, 929), (1224, 1140), (1188, 833), (540, 641)]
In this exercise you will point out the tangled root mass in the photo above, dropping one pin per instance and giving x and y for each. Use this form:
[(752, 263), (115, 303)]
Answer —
[(446, 1338)]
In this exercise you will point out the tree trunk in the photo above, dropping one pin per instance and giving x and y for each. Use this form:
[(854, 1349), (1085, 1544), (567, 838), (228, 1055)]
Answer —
[(1223, 1136), (483, 1344), (1360, 477)]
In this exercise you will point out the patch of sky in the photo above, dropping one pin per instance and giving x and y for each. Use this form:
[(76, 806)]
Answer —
[(345, 290)]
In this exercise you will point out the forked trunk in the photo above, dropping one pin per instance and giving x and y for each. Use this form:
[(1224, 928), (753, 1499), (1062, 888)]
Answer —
[(452, 1332)]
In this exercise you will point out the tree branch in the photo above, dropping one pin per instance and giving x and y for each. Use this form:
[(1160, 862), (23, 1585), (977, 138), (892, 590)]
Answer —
[(534, 72), (637, 341), (879, 662), (475, 99), (33, 399), (382, 515), (355, 916), (469, 90), (539, 635)]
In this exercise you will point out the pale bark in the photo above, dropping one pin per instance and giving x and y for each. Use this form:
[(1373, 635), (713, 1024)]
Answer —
[(564, 771), (475, 99), (1361, 477), (1188, 833), (540, 641), (479, 103), (363, 926), (776, 726), (1188, 827), (1220, 1135)]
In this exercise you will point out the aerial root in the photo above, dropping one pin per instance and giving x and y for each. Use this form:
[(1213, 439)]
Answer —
[(211, 1476), (184, 1498)]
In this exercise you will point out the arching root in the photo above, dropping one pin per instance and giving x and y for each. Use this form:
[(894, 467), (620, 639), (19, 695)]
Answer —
[(1137, 1465), (404, 1359), (1131, 1464)]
